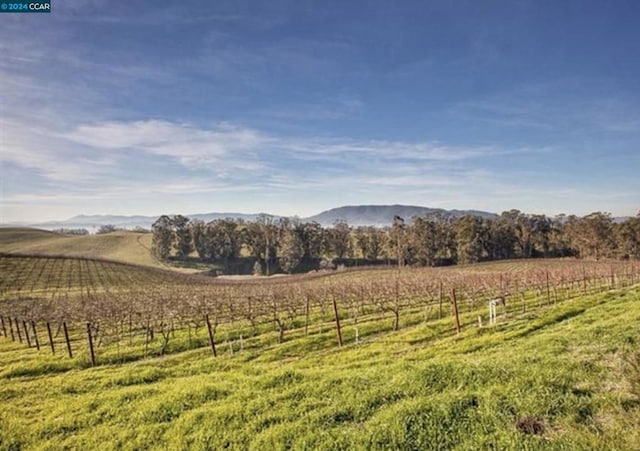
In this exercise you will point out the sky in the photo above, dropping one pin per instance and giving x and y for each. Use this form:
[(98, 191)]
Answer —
[(293, 107)]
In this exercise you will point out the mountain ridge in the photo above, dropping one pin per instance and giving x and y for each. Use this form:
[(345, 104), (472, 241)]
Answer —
[(382, 215), (355, 215)]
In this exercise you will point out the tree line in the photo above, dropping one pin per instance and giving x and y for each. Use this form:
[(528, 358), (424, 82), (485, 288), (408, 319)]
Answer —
[(433, 240)]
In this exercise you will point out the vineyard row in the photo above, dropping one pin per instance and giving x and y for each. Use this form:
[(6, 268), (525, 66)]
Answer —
[(132, 323)]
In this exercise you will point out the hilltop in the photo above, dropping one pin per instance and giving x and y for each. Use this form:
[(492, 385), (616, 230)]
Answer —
[(382, 215)]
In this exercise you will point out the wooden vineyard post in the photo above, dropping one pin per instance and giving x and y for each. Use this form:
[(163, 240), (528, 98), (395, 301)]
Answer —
[(35, 334), (441, 296), (584, 282), (524, 304), (93, 355), (53, 348), (66, 337), (211, 340), (13, 337), (338, 330), (130, 330), (454, 304), (26, 333), (548, 292), (4, 329), (146, 338), (306, 318), (15, 321), (613, 278)]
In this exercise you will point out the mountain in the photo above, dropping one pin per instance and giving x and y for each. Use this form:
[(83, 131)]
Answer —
[(357, 215), (382, 215), (93, 222)]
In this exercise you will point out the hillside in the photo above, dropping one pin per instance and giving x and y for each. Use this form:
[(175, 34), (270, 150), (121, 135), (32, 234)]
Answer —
[(382, 215), (128, 247), (48, 276), (554, 378)]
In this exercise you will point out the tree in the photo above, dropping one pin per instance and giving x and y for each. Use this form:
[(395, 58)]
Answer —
[(398, 241), (261, 237), (541, 228), (291, 248), (338, 240), (559, 239), (500, 240), (523, 231), (311, 235), (199, 238), (470, 235), (223, 240), (107, 228), (162, 237), (592, 235), (423, 241), (183, 236), (444, 237), (628, 238), (370, 241)]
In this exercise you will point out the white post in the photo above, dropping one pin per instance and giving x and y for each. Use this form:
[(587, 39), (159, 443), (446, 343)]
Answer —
[(492, 311)]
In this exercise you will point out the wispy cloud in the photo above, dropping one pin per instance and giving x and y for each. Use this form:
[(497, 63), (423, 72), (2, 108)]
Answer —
[(225, 146), (226, 157), (246, 148), (569, 106)]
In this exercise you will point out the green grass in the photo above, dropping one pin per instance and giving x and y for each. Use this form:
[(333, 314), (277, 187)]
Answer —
[(568, 368), (127, 247), (122, 246)]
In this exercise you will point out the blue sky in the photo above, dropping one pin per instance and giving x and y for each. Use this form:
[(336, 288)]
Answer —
[(292, 107)]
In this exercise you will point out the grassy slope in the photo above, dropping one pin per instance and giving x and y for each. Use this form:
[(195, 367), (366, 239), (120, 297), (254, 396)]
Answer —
[(129, 247), (414, 389)]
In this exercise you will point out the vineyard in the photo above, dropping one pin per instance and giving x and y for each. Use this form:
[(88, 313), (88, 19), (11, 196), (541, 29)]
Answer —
[(97, 311)]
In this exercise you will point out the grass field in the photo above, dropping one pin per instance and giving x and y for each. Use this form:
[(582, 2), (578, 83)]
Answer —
[(127, 247), (561, 370), (554, 378)]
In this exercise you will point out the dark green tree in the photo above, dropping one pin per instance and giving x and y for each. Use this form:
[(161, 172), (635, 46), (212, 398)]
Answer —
[(261, 238), (423, 241), (183, 244), (290, 247), (398, 241), (223, 240), (198, 238), (470, 237), (163, 237), (370, 241), (628, 238), (338, 240)]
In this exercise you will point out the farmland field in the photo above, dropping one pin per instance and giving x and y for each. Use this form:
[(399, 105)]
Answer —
[(127, 247), (355, 359)]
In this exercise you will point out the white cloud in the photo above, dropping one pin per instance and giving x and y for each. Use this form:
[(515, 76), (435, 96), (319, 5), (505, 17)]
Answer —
[(246, 148), (136, 160), (226, 145)]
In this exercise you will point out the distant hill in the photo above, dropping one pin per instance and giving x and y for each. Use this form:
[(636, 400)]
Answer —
[(357, 215), (93, 222), (128, 247), (382, 215)]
